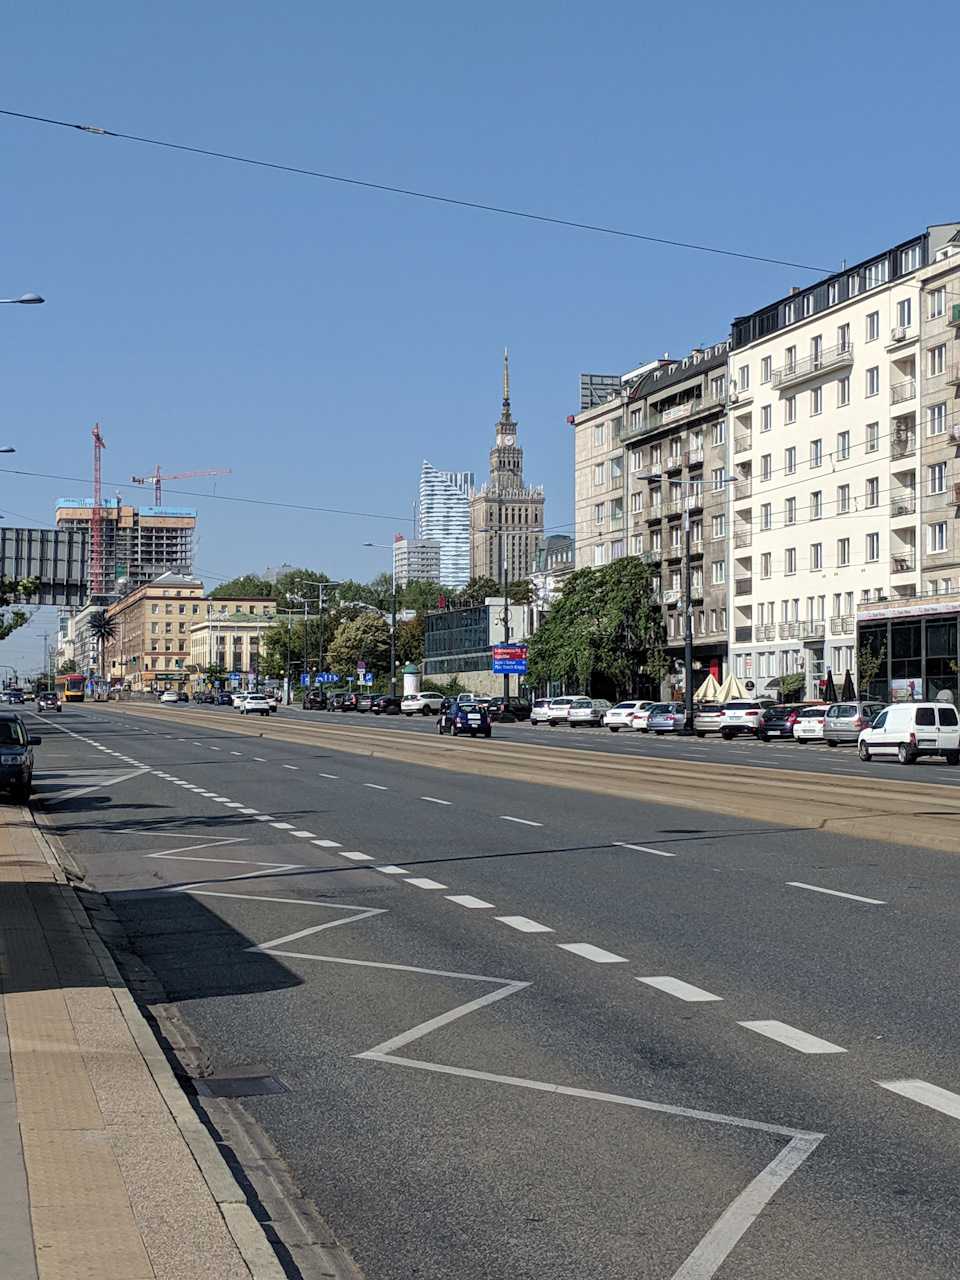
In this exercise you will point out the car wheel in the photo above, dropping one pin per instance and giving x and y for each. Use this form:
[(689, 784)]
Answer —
[(20, 794), (799, 741), (552, 723), (863, 751), (905, 754), (832, 742), (701, 733), (763, 737), (659, 732), (425, 711), (726, 735), (486, 733), (408, 714), (952, 757), (614, 728)]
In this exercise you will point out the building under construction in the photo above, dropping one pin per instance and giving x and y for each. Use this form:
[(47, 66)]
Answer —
[(136, 544)]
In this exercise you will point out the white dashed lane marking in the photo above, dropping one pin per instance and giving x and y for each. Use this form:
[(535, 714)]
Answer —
[(682, 990), (335, 776), (523, 924), (783, 1033), (260, 759), (928, 1095), (282, 826), (468, 900), (434, 800), (327, 844), (835, 893), (357, 857), (642, 848), (304, 835), (590, 952), (291, 766), (422, 882), (526, 821), (376, 786), (392, 871)]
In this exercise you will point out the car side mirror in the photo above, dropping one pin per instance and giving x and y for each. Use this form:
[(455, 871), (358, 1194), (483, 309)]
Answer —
[(34, 742)]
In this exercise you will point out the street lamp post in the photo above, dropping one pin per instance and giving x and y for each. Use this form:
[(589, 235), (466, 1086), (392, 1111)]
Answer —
[(393, 617), (320, 586), (28, 299)]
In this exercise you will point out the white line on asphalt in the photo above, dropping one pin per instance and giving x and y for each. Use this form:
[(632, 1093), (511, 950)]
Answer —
[(928, 1095), (357, 857), (327, 844), (282, 826), (291, 766), (304, 835), (234, 804), (198, 744), (798, 884), (248, 810), (328, 775), (468, 900), (682, 990), (265, 817), (526, 821), (392, 871), (590, 952), (434, 800), (215, 748), (260, 759), (376, 786), (642, 848), (791, 1037), (523, 924), (422, 882), (236, 753), (206, 793)]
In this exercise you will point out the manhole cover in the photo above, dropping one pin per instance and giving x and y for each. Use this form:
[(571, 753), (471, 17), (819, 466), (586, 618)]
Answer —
[(238, 1086)]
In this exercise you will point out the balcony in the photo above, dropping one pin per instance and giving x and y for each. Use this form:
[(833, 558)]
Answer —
[(766, 632), (901, 392), (956, 491), (903, 444), (742, 635), (789, 630), (905, 505), (694, 457), (953, 376), (954, 314), (905, 563), (651, 557), (743, 489), (812, 630), (652, 420), (843, 626), (790, 375), (742, 443), (743, 538), (674, 508), (743, 587), (616, 482), (616, 522), (674, 462)]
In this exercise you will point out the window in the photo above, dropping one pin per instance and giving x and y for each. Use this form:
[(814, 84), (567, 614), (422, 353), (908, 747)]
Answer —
[(938, 303), (790, 511), (873, 326), (766, 466), (636, 419), (766, 368), (816, 400), (616, 472), (616, 430), (843, 498), (873, 492), (616, 509), (766, 566), (718, 572), (600, 473), (719, 526), (843, 445), (598, 553), (766, 516), (937, 477), (816, 555), (790, 560), (154, 627), (718, 386), (937, 536), (816, 453), (743, 375), (616, 549), (636, 460), (904, 311), (843, 556), (766, 417), (873, 381), (637, 544), (873, 437), (716, 435), (718, 477), (843, 337), (816, 505), (599, 513), (909, 259), (790, 312), (843, 392), (790, 409), (875, 274), (636, 501), (936, 360), (833, 294), (676, 536), (854, 283), (873, 546), (168, 608), (790, 460), (696, 530), (936, 419)]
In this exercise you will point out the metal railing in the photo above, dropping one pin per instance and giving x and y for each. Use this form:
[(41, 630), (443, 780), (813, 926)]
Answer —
[(766, 631), (651, 557), (743, 587), (845, 625), (811, 366), (903, 391), (653, 419), (903, 563), (789, 630), (694, 456), (812, 630), (905, 506), (743, 538), (742, 443), (903, 445)]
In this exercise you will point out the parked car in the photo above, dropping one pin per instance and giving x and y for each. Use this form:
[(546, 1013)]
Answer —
[(169, 695), (364, 701), (49, 701), (778, 721), (808, 725), (348, 702), (237, 698), (423, 703), (457, 716), (540, 711), (706, 719), (620, 716), (224, 699), (913, 729), (504, 708), (386, 704), (254, 704), (204, 697), (315, 700), (643, 713), (559, 709), (271, 697), (844, 720), (667, 717), (739, 717), (588, 711), (16, 756), (183, 696)]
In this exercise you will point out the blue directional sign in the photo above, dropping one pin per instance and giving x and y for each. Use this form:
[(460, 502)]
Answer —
[(304, 681), (327, 677), (366, 679), (509, 659)]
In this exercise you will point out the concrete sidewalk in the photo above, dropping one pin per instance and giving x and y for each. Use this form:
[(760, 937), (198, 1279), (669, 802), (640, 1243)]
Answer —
[(105, 1170)]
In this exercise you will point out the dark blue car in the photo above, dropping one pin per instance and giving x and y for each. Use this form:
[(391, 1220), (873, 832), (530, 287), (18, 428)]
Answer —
[(462, 715), (16, 756)]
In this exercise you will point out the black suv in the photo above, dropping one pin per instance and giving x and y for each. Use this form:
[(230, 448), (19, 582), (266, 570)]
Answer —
[(509, 708), (778, 721), (16, 756), (315, 700), (385, 704)]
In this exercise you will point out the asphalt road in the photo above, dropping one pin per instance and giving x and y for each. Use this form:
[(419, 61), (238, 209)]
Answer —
[(536, 1033)]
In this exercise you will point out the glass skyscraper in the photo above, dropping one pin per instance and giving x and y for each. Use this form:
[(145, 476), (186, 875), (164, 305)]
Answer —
[(445, 518)]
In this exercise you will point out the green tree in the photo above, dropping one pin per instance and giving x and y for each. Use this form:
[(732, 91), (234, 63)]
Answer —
[(69, 667), (16, 593), (869, 664), (365, 639), (520, 592), (102, 628), (477, 590), (410, 639), (791, 685), (248, 584), (606, 622)]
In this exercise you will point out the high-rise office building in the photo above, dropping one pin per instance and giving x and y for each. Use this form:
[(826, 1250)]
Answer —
[(138, 543), (445, 518), (416, 560)]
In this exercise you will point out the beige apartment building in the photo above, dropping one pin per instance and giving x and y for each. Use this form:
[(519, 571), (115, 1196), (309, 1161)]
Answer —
[(226, 632), (151, 648)]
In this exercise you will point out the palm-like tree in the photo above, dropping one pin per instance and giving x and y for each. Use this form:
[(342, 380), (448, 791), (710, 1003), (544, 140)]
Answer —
[(102, 628)]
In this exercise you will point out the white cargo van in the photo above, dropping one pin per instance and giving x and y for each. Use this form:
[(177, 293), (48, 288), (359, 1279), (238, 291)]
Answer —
[(911, 730)]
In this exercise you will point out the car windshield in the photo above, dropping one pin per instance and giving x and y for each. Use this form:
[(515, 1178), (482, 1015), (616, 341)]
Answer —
[(10, 732)]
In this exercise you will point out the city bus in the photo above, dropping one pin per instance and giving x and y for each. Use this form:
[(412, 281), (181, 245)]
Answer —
[(69, 688)]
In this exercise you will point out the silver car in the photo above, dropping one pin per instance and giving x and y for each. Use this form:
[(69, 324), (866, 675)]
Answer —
[(666, 718), (641, 717), (706, 719), (843, 721), (590, 711)]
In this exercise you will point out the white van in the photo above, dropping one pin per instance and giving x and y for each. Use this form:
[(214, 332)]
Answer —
[(911, 730)]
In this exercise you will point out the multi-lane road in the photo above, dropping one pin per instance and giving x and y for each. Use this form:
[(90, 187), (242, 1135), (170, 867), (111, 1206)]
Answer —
[(533, 1030)]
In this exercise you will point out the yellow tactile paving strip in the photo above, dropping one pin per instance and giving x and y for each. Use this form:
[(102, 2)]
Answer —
[(115, 1193)]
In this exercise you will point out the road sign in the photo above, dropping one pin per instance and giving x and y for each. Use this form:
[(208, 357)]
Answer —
[(509, 659), (366, 679), (327, 677), (361, 666), (304, 681)]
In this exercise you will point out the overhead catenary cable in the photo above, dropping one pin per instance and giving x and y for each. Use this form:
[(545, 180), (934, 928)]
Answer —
[(417, 195)]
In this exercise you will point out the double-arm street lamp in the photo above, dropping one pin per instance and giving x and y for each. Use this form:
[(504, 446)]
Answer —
[(308, 582), (384, 546)]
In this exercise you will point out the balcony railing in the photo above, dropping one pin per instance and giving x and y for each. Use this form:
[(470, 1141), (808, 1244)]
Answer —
[(651, 557), (956, 491), (767, 631), (743, 538), (789, 630), (812, 630), (903, 563), (674, 508), (812, 366), (953, 375), (653, 419), (905, 506), (616, 522), (900, 392), (694, 456), (674, 462), (743, 587), (845, 625), (616, 482), (742, 443), (743, 489), (903, 445), (742, 635)]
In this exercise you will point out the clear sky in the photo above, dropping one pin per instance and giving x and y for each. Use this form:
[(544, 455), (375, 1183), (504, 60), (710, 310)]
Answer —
[(321, 340)]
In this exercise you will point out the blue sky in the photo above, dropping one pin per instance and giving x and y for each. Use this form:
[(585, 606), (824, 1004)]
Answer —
[(321, 340)]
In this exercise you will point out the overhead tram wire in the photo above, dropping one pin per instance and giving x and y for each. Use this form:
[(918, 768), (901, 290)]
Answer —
[(417, 195)]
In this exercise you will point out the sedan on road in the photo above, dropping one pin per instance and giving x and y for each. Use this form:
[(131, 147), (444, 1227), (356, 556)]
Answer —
[(170, 695), (588, 711), (808, 726), (620, 716), (16, 756), (458, 716), (386, 704), (706, 719), (644, 711), (559, 710)]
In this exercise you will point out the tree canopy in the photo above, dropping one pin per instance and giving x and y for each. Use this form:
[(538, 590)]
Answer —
[(366, 639)]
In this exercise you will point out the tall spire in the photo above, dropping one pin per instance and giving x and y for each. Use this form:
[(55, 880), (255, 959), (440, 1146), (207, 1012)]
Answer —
[(506, 379)]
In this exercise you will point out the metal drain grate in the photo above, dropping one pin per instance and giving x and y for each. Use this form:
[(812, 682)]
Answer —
[(238, 1086)]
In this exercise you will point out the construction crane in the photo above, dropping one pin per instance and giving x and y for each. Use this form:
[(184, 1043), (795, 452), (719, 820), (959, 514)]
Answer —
[(177, 475), (96, 519)]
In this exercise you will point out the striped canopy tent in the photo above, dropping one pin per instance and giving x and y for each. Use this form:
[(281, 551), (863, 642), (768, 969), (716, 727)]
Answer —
[(731, 688), (708, 690)]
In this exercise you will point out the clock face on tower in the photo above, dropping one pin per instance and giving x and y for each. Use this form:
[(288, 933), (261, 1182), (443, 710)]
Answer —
[(508, 440)]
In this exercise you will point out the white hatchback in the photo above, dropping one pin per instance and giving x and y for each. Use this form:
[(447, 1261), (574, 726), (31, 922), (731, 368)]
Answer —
[(589, 711), (253, 704), (809, 723), (170, 695)]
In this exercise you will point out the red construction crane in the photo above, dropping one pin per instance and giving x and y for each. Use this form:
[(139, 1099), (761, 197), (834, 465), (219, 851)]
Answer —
[(96, 520), (177, 475)]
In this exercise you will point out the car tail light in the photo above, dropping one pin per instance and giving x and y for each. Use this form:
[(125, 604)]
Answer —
[(753, 713), (722, 714), (858, 723), (913, 739)]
